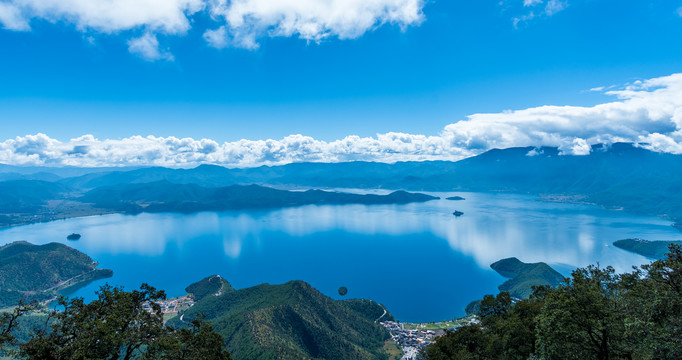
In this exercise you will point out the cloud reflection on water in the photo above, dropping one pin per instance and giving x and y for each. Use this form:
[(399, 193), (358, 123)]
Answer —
[(494, 226)]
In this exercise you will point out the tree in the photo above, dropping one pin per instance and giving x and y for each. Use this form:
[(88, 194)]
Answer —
[(655, 300), (582, 318), (9, 322), (467, 343), (595, 314), (118, 325), (198, 342)]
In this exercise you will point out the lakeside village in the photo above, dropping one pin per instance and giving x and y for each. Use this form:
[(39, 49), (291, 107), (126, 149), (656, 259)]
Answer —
[(172, 307), (412, 338)]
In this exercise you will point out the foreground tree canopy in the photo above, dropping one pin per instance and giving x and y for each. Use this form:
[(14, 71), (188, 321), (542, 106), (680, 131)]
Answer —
[(118, 325), (594, 314)]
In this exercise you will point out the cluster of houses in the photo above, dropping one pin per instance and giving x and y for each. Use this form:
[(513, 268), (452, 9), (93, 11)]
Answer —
[(412, 341), (173, 306)]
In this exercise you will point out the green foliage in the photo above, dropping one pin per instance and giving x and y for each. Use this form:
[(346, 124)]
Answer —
[(582, 318), (293, 321), (212, 285), (368, 309), (467, 343), (198, 342), (119, 325), (9, 321), (343, 291), (38, 272), (594, 314)]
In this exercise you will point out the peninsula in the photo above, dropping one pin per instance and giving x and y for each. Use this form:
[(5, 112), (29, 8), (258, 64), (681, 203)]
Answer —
[(41, 272), (651, 249)]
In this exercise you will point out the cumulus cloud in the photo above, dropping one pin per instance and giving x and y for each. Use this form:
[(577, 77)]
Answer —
[(311, 20), (648, 113), (240, 23), (147, 47), (11, 18), (168, 16)]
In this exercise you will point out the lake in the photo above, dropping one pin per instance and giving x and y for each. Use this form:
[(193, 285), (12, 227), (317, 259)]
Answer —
[(418, 260)]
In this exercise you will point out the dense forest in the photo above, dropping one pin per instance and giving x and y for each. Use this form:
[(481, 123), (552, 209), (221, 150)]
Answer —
[(594, 314), (117, 325)]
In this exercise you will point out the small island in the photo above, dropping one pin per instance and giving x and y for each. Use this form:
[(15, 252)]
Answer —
[(343, 291), (73, 237), (455, 198), (457, 213)]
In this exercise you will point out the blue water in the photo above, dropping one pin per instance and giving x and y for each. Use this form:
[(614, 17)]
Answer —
[(417, 259)]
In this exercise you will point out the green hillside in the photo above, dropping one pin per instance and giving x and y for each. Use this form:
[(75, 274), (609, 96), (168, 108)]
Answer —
[(212, 285), (650, 249), (38, 272), (293, 321), (523, 276)]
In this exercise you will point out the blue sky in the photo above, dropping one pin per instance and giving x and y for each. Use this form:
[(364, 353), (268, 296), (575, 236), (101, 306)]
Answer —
[(67, 73)]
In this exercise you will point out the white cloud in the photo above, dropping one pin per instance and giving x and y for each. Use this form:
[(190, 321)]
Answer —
[(109, 16), (550, 8), (240, 23), (645, 112), (312, 20), (532, 2), (147, 47), (11, 18), (217, 38), (554, 6)]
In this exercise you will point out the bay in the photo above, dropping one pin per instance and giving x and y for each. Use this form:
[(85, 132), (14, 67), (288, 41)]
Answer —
[(420, 261)]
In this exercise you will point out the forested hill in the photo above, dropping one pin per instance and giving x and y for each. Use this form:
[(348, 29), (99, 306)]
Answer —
[(523, 276), (292, 321), (33, 272), (164, 196), (28, 201)]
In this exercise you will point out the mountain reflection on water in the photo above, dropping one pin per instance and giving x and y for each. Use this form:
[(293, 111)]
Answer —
[(418, 259)]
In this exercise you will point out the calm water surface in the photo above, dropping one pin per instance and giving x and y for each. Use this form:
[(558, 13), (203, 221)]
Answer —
[(417, 259)]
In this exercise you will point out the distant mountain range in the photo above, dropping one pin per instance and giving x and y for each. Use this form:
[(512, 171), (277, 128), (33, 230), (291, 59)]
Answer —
[(617, 176), (289, 321)]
